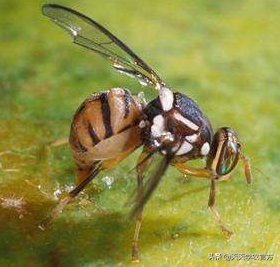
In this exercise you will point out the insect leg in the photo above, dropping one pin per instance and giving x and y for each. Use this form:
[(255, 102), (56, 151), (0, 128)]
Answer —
[(142, 163), (192, 171), (59, 142), (247, 168), (211, 205), (205, 173), (198, 172), (63, 202)]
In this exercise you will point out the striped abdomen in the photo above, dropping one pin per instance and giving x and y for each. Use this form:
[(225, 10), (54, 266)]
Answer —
[(101, 116)]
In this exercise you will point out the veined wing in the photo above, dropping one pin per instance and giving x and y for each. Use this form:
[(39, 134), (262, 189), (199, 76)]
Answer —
[(88, 33)]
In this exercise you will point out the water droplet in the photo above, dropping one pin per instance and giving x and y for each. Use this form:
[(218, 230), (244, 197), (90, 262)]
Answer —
[(142, 82), (118, 66), (175, 235), (108, 181), (141, 97), (69, 188), (74, 32), (41, 227), (12, 202), (57, 193), (126, 73)]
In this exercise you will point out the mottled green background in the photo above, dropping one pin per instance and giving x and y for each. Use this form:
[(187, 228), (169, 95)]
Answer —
[(224, 54)]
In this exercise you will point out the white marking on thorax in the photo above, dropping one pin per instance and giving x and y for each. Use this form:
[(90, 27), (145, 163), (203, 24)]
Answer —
[(166, 98), (142, 124), (159, 121), (168, 136), (205, 149), (118, 90), (157, 128), (185, 148), (185, 121), (191, 138)]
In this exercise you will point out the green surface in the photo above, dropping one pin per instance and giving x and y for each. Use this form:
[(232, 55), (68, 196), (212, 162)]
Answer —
[(224, 54)]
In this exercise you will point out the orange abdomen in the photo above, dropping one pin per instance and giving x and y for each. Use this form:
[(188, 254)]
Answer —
[(100, 117)]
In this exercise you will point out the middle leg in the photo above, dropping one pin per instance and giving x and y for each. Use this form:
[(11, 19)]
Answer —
[(143, 162)]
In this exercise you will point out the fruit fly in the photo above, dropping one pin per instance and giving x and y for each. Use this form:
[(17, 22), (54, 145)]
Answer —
[(110, 125)]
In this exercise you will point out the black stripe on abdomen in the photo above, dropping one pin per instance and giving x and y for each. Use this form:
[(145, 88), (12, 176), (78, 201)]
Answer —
[(93, 134), (106, 114), (81, 147), (127, 103)]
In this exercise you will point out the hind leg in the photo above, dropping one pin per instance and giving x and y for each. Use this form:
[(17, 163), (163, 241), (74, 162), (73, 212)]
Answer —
[(58, 142), (106, 154), (84, 176), (72, 194)]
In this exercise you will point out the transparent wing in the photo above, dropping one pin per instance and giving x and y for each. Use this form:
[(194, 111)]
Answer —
[(152, 182), (89, 34)]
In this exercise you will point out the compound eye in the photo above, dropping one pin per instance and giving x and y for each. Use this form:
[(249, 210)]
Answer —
[(228, 157)]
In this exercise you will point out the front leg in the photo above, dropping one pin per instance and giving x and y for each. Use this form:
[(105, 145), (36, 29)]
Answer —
[(247, 168), (211, 205), (198, 172), (192, 171), (206, 173)]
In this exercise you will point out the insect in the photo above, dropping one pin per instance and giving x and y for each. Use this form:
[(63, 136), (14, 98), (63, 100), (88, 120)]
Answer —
[(108, 126)]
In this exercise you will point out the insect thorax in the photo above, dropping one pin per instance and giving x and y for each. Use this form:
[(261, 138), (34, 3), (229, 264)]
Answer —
[(176, 122)]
